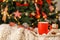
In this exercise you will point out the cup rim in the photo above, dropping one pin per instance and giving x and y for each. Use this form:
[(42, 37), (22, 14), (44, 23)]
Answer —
[(42, 22)]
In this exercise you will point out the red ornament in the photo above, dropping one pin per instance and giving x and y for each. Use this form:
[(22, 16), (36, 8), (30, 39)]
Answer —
[(37, 9), (17, 14), (12, 24), (18, 4), (37, 16), (51, 8), (44, 15), (40, 2), (25, 4), (30, 15), (42, 28), (49, 2)]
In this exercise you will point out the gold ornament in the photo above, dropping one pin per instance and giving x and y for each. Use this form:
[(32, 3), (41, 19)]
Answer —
[(38, 20), (32, 23), (33, 13), (56, 11), (26, 14), (5, 14), (15, 18), (32, 1), (49, 13), (21, 0), (20, 17), (10, 15), (57, 17), (14, 0), (18, 23), (25, 2), (5, 0), (35, 0)]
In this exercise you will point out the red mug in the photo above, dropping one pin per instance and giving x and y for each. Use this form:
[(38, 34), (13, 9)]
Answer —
[(42, 27)]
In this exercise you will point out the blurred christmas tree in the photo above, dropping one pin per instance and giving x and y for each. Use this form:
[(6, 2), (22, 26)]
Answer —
[(27, 11)]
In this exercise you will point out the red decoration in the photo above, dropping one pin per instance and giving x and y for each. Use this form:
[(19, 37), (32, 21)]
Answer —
[(40, 2), (37, 11), (18, 4), (25, 4), (12, 24), (49, 2), (51, 8), (30, 15), (44, 15), (37, 16), (17, 14), (42, 27)]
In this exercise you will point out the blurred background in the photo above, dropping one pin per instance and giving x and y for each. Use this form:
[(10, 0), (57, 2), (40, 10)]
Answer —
[(58, 4)]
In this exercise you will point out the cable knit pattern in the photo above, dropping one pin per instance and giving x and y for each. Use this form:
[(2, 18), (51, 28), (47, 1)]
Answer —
[(5, 30), (14, 33)]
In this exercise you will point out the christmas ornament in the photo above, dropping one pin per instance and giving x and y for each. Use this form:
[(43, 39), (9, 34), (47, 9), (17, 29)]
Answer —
[(37, 16), (14, 0), (32, 1), (51, 8), (26, 14), (37, 11), (5, 0), (56, 11), (18, 4), (38, 20), (33, 14), (50, 13), (18, 23), (15, 18), (57, 17), (49, 2), (17, 14), (40, 2), (35, 1), (21, 0), (25, 3), (44, 15), (5, 13)]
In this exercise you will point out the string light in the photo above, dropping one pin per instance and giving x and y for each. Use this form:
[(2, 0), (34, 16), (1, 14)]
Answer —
[(38, 20)]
